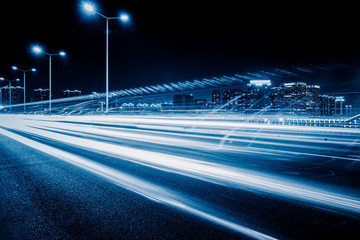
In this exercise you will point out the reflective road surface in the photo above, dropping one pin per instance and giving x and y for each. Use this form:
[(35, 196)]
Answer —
[(157, 177)]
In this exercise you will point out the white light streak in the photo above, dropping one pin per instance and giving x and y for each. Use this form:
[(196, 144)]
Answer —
[(139, 186), (192, 167)]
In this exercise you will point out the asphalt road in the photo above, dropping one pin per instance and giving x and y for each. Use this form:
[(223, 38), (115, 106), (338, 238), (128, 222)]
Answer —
[(153, 177)]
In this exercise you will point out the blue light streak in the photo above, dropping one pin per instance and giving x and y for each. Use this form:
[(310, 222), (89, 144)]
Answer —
[(212, 149)]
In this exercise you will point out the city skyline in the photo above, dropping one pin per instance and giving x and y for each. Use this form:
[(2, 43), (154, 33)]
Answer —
[(243, 97), (192, 43), (308, 73)]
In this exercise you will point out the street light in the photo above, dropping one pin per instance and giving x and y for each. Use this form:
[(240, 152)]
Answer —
[(89, 7), (24, 71), (39, 50), (124, 18), (8, 80)]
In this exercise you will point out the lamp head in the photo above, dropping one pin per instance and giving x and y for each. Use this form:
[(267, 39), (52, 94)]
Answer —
[(14, 67), (62, 53), (33, 69), (37, 49), (124, 17), (88, 7)]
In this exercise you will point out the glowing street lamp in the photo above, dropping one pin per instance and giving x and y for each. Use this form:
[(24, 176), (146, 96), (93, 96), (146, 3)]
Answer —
[(88, 7), (39, 50), (8, 80), (124, 18), (24, 71)]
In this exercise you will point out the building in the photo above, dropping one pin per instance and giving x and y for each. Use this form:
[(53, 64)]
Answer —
[(258, 94), (183, 100), (41, 94), (227, 96), (348, 110), (295, 96), (327, 105), (231, 98), (71, 93), (324, 105), (277, 97), (339, 102), (17, 95), (313, 99), (216, 97)]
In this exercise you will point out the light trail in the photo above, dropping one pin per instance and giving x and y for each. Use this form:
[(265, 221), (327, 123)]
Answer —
[(175, 140), (204, 170), (222, 128), (180, 138), (149, 136), (213, 152), (139, 186)]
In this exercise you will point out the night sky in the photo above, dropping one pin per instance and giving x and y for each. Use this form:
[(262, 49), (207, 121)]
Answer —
[(174, 41)]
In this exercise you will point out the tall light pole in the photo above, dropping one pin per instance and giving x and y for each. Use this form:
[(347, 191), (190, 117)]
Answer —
[(14, 80), (24, 71), (39, 50), (124, 17)]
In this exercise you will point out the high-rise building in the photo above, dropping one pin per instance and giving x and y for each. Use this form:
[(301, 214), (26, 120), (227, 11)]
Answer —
[(327, 105), (41, 94), (339, 102), (348, 110), (183, 100), (17, 95), (231, 98), (4, 96), (332, 105), (216, 97), (324, 105), (295, 96), (258, 94), (277, 97), (313, 99), (227, 96)]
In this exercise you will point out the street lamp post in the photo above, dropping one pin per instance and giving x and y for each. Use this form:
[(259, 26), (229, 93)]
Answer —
[(38, 50), (24, 71), (90, 8), (3, 79)]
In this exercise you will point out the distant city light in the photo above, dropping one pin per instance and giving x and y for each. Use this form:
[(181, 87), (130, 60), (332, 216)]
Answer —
[(339, 99), (37, 49), (260, 82)]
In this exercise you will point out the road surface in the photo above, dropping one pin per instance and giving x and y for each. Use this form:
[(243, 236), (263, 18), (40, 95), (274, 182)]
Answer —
[(151, 177)]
